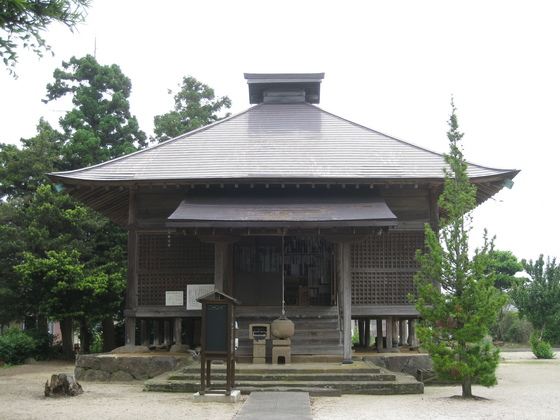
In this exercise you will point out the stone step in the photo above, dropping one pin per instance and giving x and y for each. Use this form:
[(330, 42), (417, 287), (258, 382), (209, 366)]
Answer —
[(344, 387), (362, 377), (308, 378)]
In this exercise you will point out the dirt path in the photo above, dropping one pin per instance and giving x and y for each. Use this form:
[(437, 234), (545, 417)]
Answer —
[(528, 389)]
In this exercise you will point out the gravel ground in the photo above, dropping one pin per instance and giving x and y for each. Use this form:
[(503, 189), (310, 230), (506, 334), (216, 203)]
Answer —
[(528, 389)]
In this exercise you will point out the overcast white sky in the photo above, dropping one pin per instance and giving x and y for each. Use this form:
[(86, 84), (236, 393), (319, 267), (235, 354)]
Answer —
[(389, 65)]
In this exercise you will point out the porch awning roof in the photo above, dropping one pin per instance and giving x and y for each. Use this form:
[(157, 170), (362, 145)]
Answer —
[(282, 209)]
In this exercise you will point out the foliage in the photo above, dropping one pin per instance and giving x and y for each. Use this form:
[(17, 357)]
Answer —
[(195, 106), (22, 21), (16, 346), (541, 349), (39, 227), (23, 171), (457, 299), (538, 298), (512, 328), (506, 266), (100, 127)]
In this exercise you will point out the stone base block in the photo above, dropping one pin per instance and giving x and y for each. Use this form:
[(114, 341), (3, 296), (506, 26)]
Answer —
[(221, 398), (259, 360), (282, 351), (233, 398), (259, 350)]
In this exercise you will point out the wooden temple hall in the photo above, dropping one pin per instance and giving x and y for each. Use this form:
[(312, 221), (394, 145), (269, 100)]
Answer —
[(284, 206)]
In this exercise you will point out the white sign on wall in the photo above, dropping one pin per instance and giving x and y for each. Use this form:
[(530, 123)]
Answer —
[(194, 291), (173, 298)]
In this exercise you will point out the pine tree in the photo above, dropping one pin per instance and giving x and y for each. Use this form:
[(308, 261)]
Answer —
[(457, 300)]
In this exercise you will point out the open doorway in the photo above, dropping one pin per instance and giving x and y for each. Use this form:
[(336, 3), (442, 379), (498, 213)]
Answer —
[(307, 262)]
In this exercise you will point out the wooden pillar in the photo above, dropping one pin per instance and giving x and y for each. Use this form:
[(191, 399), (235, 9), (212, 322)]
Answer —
[(367, 332), (157, 332), (144, 333), (361, 331), (395, 347), (132, 271), (412, 339), (167, 338), (389, 332), (178, 330), (223, 257), (403, 332), (379, 338), (344, 276), (345, 292), (220, 264)]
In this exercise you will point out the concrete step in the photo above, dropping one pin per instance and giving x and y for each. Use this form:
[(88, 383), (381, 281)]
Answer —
[(362, 377)]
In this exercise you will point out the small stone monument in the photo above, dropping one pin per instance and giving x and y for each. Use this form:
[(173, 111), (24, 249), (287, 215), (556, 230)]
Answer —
[(62, 385), (283, 329)]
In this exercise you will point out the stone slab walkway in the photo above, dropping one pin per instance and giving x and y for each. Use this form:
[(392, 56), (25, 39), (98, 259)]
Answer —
[(276, 406)]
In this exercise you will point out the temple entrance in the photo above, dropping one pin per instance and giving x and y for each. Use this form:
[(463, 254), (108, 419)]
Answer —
[(308, 271)]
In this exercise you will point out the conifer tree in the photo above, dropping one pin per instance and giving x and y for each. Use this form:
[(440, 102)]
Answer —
[(457, 300)]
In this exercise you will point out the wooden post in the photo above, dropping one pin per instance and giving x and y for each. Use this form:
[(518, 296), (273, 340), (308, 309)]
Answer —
[(379, 339), (412, 339), (157, 333), (395, 332), (220, 264), (132, 271), (389, 332), (403, 332), (144, 333), (178, 330), (367, 332), (344, 276), (167, 338), (346, 303), (223, 251)]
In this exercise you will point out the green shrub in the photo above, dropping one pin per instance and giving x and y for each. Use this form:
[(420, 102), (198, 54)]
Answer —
[(20, 346), (552, 333), (541, 349), (43, 344), (6, 350), (519, 331)]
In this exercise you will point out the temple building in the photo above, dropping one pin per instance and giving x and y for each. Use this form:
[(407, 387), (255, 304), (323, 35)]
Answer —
[(285, 207)]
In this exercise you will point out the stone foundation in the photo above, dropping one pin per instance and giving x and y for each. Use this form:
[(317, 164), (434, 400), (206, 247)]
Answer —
[(402, 363), (125, 368)]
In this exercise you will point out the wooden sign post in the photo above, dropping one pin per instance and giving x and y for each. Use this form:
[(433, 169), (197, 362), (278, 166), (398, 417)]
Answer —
[(218, 340)]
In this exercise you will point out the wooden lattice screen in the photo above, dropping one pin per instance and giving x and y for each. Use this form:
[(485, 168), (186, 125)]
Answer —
[(383, 268), (170, 263)]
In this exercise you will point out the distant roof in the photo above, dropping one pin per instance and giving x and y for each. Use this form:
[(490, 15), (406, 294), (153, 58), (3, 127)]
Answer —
[(278, 142), (265, 85)]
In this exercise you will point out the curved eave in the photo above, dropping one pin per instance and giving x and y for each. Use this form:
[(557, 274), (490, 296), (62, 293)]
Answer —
[(111, 197)]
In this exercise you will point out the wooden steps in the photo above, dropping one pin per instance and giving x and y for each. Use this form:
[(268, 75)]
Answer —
[(316, 330)]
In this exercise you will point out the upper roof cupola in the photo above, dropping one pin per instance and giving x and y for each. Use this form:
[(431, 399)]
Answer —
[(284, 87)]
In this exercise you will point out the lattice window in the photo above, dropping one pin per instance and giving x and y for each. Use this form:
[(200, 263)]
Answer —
[(395, 250), (152, 287), (171, 262), (382, 288), (383, 268), (167, 252)]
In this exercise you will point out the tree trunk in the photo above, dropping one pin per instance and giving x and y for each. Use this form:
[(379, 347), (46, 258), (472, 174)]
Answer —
[(85, 336), (467, 388), (67, 333), (43, 324), (109, 340)]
